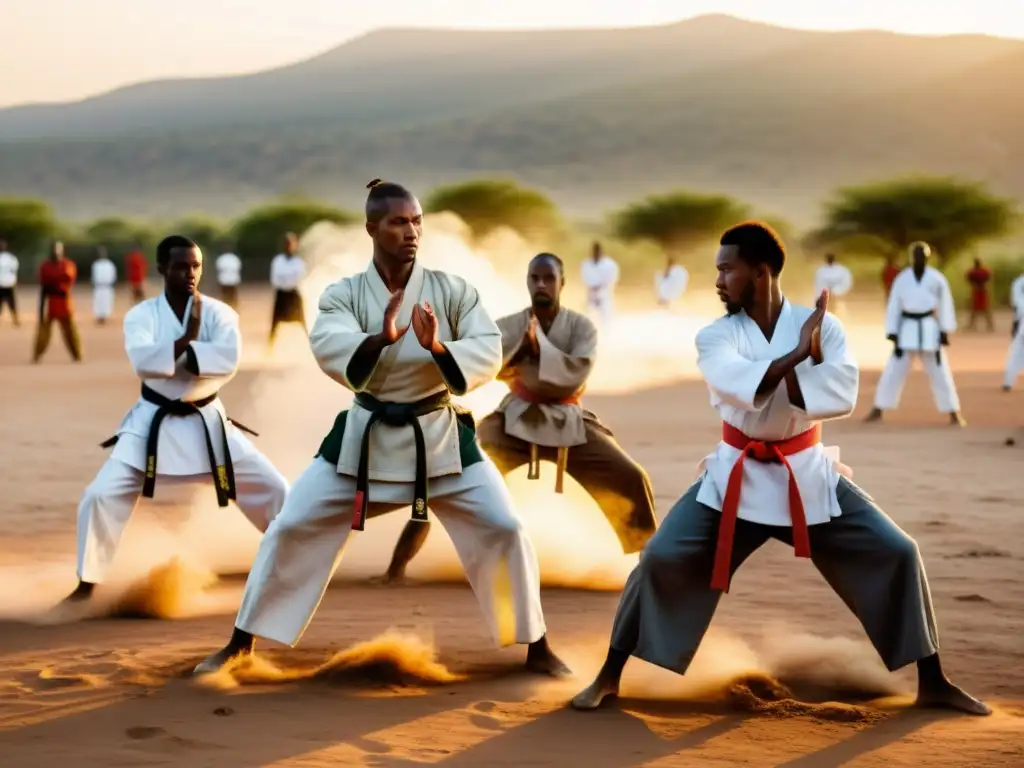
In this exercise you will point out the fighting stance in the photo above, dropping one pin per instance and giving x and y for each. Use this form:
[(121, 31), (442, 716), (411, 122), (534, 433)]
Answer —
[(104, 277), (229, 277), (835, 278), (671, 284), (918, 320), (286, 272), (57, 277), (401, 433), (8, 282), (600, 275), (184, 347), (1015, 355), (775, 372), (548, 353)]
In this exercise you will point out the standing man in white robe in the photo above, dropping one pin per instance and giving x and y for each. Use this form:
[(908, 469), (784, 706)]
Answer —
[(1015, 355), (286, 272), (104, 278), (835, 278), (401, 433), (9, 282), (775, 372), (184, 347), (671, 284), (229, 277), (600, 276), (918, 320)]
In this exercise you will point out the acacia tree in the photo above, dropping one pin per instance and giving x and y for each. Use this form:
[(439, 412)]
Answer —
[(884, 218), (486, 204), (26, 224), (678, 221)]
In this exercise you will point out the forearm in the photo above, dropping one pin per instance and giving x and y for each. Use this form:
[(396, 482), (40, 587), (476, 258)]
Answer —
[(450, 371), (366, 358), (796, 395), (181, 344), (779, 369)]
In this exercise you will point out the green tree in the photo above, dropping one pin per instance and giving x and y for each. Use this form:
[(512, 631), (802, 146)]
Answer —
[(258, 233), (884, 218), (26, 225), (486, 204), (678, 221), (207, 232)]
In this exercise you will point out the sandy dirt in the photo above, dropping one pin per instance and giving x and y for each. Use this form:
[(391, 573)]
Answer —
[(116, 691)]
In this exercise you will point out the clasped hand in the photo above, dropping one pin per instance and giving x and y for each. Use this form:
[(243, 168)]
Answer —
[(424, 324)]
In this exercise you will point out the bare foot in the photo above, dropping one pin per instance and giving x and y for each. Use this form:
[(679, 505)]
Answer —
[(949, 696), (594, 694), (387, 580), (956, 420), (544, 662), (219, 660)]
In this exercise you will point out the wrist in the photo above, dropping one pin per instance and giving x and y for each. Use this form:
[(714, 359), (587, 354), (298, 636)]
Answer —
[(437, 348)]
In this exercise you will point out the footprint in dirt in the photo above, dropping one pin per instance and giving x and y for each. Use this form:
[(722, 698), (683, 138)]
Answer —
[(482, 720), (155, 737)]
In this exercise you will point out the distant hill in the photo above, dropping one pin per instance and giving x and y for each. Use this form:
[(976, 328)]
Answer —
[(595, 118)]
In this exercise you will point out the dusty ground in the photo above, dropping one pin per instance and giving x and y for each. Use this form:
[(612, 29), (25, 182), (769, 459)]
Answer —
[(115, 692)]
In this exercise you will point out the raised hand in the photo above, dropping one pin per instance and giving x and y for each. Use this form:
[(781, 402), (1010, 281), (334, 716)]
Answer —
[(424, 325), (531, 335), (810, 333), (195, 317), (390, 331)]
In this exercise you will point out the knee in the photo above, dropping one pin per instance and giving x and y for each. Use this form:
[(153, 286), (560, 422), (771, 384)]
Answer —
[(902, 550)]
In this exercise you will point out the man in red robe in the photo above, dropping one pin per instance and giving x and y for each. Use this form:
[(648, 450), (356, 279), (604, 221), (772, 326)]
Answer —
[(57, 277), (980, 278), (136, 266)]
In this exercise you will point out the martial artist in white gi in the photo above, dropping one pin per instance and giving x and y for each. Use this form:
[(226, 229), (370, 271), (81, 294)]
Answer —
[(9, 282), (1015, 355), (835, 278), (229, 277), (775, 372), (401, 433), (287, 270), (600, 276), (671, 284), (184, 347), (104, 278), (919, 317)]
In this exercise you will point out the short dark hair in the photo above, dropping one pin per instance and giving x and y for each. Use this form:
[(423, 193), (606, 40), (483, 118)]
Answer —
[(550, 257), (170, 243), (381, 192), (757, 244)]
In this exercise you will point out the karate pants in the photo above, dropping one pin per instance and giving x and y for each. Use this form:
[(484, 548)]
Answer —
[(940, 375), (8, 297), (68, 330), (102, 301), (303, 547), (1014, 360), (229, 295), (876, 568), (601, 311), (110, 499)]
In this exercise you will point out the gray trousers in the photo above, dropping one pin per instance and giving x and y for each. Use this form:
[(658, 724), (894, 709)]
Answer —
[(876, 568)]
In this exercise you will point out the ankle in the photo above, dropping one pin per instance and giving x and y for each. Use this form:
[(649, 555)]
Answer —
[(241, 641), (614, 663), (929, 671)]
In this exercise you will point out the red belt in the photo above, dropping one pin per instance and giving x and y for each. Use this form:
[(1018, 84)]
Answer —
[(760, 450), (521, 391)]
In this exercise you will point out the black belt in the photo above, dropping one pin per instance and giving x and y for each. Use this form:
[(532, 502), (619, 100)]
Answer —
[(223, 476), (395, 415), (919, 317)]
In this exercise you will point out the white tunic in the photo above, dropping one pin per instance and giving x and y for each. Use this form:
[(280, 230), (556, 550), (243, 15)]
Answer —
[(150, 329), (229, 269), (600, 278), (929, 294), (8, 269), (104, 273), (287, 272), (671, 284), (733, 356), (1017, 297), (834, 277)]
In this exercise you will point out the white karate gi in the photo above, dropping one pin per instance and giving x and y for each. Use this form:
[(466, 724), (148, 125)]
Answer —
[(286, 273), (725, 351), (838, 279), (671, 284), (229, 269), (600, 278), (919, 338), (150, 329), (303, 546), (104, 277), (1015, 355)]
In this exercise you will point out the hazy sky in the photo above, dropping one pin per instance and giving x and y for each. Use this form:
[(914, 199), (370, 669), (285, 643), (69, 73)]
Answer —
[(66, 49)]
